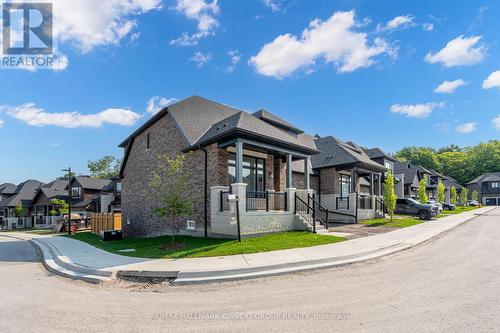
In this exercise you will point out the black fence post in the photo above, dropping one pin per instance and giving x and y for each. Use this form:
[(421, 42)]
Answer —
[(267, 201), (221, 205), (286, 201), (295, 204)]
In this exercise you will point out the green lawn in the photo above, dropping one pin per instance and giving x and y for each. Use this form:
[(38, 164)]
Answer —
[(457, 210), (207, 247), (398, 221)]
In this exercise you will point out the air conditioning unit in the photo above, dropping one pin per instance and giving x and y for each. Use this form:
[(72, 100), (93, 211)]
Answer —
[(190, 224)]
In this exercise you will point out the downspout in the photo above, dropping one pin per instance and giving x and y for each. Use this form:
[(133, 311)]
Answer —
[(206, 192)]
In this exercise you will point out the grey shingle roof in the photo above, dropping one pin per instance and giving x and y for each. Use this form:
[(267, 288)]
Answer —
[(276, 121), (408, 170), (56, 188), (92, 183), (486, 177), (8, 188), (195, 116), (378, 153), (334, 152), (248, 123), (24, 194)]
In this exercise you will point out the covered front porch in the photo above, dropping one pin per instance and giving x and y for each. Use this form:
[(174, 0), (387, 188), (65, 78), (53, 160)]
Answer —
[(259, 174)]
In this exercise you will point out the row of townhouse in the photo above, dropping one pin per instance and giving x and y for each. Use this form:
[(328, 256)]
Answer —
[(488, 187), (280, 175), (88, 195)]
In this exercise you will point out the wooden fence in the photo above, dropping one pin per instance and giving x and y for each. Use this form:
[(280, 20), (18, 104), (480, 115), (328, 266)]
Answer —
[(105, 221)]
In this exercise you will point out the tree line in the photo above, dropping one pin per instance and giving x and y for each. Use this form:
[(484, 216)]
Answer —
[(460, 163)]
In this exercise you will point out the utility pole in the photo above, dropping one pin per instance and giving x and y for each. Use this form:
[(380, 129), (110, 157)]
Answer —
[(68, 170)]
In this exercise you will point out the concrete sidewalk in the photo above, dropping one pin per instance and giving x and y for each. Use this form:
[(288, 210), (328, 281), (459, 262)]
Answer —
[(79, 260)]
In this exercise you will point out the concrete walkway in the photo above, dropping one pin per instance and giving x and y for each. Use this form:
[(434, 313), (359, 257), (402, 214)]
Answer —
[(79, 260)]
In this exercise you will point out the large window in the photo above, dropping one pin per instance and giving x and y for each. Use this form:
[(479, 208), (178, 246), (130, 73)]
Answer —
[(495, 185), (253, 172), (345, 185)]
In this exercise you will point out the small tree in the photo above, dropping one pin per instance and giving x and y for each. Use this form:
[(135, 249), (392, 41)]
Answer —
[(453, 195), (168, 189), (389, 195), (441, 189), (19, 210), (422, 188), (463, 196), (474, 196), (60, 207)]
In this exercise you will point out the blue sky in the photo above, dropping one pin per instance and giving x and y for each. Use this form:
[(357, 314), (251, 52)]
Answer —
[(364, 71)]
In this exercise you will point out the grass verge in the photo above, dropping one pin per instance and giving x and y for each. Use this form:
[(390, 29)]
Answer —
[(206, 247), (457, 210), (397, 222)]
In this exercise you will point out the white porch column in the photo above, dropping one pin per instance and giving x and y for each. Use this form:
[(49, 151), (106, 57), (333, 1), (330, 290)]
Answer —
[(307, 171), (372, 184), (288, 170), (240, 190), (239, 162)]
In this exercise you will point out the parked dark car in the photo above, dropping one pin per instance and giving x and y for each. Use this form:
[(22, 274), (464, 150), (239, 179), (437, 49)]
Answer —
[(448, 206), (408, 206)]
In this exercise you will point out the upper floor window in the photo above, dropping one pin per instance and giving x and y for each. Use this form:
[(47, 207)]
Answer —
[(389, 165), (76, 191), (118, 187), (495, 185), (147, 141)]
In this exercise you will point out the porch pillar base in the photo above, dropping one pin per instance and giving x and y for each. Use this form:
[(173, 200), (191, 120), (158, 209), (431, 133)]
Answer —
[(290, 197), (240, 190)]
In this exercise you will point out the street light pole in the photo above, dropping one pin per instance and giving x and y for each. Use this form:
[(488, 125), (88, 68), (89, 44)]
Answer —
[(68, 170)]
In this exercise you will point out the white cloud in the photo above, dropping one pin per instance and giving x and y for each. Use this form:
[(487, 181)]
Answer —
[(156, 103), (274, 5), (235, 56), (92, 23), (458, 52), (492, 81), (397, 22), (448, 87), (2, 122), (201, 59), (333, 40), (466, 128), (428, 26), (34, 116), (496, 122), (417, 110), (201, 11), (61, 63)]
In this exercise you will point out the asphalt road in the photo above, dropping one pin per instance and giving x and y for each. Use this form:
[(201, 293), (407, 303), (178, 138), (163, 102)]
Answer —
[(450, 284)]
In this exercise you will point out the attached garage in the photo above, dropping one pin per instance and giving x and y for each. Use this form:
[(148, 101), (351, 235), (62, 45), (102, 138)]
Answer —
[(492, 201)]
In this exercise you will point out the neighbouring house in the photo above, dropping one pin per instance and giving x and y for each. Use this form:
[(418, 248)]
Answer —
[(350, 182), (488, 188), (42, 205), (410, 176), (449, 183), (382, 158), (109, 199), (248, 155), (83, 190), (23, 194), (6, 191)]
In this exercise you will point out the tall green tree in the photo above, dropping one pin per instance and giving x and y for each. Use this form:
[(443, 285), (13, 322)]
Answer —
[(455, 165), (422, 191), (389, 194), (453, 195), (169, 190), (19, 210), (425, 157), (441, 189), (474, 196), (105, 167), (60, 207), (463, 196)]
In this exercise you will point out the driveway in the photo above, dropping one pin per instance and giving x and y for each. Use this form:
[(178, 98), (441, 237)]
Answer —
[(450, 284)]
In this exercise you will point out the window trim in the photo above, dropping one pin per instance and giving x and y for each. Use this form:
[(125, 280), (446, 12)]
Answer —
[(256, 168)]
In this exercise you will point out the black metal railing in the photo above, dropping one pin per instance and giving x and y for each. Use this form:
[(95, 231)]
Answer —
[(266, 201), (379, 205), (342, 203), (320, 213), (223, 200), (365, 202), (305, 210)]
